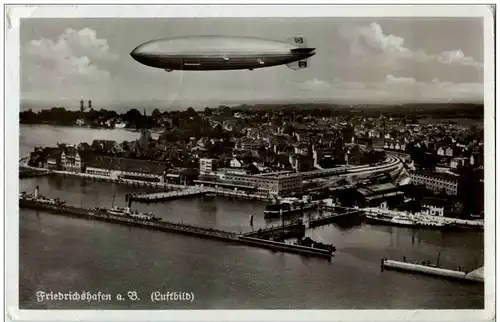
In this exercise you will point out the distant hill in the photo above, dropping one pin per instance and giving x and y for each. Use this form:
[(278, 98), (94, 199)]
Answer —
[(441, 110)]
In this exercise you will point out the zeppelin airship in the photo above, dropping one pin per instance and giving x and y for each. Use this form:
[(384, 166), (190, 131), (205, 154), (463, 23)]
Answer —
[(202, 53)]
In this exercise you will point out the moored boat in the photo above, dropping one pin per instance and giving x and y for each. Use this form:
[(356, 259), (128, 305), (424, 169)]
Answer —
[(126, 212)]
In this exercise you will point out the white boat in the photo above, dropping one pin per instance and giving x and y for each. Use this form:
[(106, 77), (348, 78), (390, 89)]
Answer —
[(400, 218)]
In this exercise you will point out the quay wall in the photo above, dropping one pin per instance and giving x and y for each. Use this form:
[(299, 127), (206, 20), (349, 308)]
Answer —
[(157, 225)]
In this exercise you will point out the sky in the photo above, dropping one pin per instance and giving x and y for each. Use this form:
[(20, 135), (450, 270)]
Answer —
[(358, 60)]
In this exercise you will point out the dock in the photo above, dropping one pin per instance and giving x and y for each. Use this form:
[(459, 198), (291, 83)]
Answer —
[(473, 276), (195, 231), (194, 191)]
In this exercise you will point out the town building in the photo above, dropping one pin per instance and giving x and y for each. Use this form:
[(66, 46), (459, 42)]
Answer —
[(207, 166), (437, 182), (71, 160), (53, 158)]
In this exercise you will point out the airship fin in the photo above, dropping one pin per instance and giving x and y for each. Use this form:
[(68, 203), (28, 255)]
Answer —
[(300, 64), (297, 40)]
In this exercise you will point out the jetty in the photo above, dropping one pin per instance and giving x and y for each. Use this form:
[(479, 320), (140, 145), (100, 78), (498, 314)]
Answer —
[(472, 276), (209, 233), (194, 191), (168, 195)]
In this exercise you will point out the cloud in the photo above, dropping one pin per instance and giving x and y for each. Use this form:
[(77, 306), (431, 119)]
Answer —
[(73, 59), (369, 42), (314, 85), (390, 79), (395, 88), (457, 57)]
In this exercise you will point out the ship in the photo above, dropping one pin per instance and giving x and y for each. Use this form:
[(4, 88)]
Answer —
[(125, 212), (288, 206), (399, 218), (37, 197)]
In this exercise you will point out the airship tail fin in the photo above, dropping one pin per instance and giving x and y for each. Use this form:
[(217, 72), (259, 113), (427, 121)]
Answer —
[(300, 64), (297, 40)]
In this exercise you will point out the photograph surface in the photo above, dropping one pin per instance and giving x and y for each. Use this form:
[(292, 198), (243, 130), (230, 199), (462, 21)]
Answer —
[(229, 163)]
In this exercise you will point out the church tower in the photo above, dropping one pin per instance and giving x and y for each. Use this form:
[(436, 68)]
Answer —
[(145, 134)]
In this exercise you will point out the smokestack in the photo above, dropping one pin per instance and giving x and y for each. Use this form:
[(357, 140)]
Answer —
[(81, 106), (90, 104), (36, 192)]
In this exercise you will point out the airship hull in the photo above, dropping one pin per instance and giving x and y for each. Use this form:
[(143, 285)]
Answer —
[(218, 53)]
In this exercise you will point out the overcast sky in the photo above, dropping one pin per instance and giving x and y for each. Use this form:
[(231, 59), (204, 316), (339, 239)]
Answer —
[(357, 60)]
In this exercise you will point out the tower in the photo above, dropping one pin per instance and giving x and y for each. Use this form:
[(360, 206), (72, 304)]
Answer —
[(82, 107), (89, 106), (145, 134)]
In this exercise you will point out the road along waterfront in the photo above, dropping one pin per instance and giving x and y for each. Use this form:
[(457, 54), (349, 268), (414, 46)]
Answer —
[(64, 254)]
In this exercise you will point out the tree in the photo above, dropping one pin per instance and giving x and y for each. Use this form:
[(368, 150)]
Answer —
[(156, 113), (132, 116)]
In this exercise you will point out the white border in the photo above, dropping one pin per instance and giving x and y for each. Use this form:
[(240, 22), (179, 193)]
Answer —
[(12, 147)]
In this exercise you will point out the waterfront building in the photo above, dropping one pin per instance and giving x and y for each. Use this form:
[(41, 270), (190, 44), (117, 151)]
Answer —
[(127, 168), (372, 195), (436, 182), (278, 184), (71, 160)]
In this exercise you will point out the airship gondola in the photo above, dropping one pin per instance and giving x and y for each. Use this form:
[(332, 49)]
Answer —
[(202, 53)]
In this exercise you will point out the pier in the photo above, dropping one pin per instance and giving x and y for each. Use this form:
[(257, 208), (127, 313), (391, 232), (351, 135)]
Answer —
[(193, 191), (230, 237), (473, 276), (168, 195)]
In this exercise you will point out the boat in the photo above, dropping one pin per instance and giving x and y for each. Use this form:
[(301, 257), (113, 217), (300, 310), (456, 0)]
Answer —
[(125, 212), (399, 218), (36, 197), (288, 206)]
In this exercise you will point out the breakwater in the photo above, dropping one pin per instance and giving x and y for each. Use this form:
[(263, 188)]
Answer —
[(474, 276), (196, 231)]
